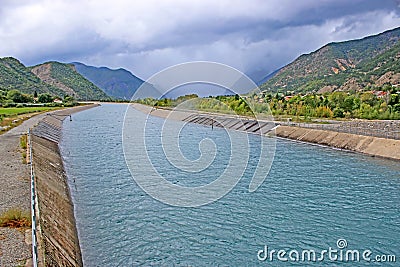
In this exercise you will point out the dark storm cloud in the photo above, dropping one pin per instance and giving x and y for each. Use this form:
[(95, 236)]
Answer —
[(256, 36)]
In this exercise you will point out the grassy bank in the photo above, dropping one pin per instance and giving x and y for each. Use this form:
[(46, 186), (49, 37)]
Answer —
[(12, 117), (8, 112)]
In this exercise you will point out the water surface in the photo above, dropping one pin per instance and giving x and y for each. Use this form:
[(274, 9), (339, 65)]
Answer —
[(312, 197)]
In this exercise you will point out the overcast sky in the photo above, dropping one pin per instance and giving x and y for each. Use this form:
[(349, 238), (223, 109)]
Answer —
[(254, 36)]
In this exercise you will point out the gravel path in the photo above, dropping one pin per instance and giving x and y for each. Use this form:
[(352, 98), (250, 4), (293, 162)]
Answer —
[(14, 193), (13, 249)]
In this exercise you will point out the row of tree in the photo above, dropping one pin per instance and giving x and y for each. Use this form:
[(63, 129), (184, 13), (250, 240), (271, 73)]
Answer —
[(13, 97), (363, 105)]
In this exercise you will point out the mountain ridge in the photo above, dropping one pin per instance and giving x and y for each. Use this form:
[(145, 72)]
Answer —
[(15, 75), (118, 83), (65, 77), (336, 63)]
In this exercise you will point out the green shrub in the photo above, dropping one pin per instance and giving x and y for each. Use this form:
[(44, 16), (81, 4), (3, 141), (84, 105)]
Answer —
[(338, 113), (9, 104)]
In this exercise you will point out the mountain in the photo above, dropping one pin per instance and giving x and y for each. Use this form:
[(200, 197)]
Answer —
[(68, 80), (266, 78), (350, 65), (14, 75), (52, 77), (118, 83)]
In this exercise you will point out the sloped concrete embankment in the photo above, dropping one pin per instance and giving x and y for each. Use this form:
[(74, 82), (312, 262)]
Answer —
[(370, 145), (57, 237), (232, 122)]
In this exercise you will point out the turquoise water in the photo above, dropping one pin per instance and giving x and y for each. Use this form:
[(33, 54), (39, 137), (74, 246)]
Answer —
[(312, 197)]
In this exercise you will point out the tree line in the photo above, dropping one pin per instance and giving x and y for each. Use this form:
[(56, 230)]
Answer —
[(15, 98), (383, 104)]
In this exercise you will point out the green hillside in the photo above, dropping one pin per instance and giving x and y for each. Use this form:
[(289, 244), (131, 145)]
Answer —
[(118, 83), (14, 75), (65, 77), (55, 78), (351, 65)]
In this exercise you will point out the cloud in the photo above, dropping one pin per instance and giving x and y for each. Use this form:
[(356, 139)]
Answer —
[(146, 36)]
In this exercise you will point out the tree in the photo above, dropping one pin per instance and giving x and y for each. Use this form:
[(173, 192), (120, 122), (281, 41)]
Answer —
[(336, 99), (348, 103), (45, 98), (27, 98), (3, 96), (396, 108), (394, 99), (68, 98), (368, 98), (15, 96)]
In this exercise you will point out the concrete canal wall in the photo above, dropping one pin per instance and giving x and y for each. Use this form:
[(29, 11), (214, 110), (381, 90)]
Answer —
[(236, 123), (58, 243), (370, 145)]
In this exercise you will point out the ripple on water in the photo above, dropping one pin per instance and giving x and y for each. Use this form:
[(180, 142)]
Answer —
[(311, 197)]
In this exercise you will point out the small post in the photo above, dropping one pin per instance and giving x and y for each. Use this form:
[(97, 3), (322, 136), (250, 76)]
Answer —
[(70, 117)]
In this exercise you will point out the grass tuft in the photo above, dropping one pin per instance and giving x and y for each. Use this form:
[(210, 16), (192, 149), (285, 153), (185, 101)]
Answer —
[(23, 140), (15, 218), (24, 160)]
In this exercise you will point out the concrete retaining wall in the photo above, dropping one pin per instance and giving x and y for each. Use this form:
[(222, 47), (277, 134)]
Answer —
[(236, 123), (374, 146), (57, 237)]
